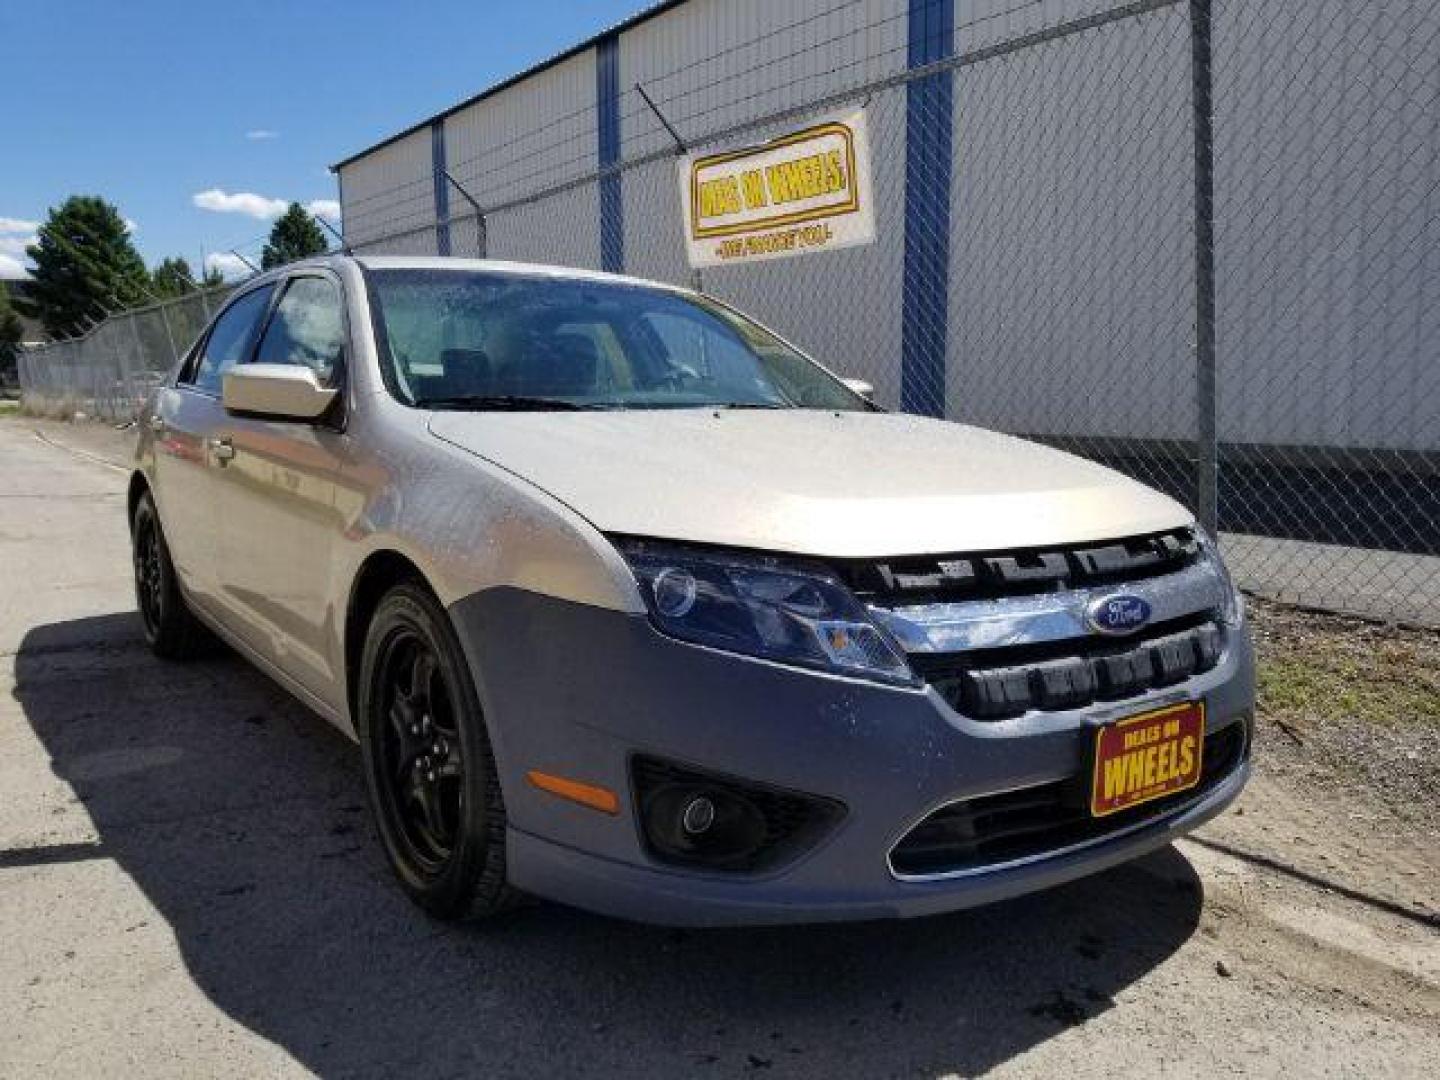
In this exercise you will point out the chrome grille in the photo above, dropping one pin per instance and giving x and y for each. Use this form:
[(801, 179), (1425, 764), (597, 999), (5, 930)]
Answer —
[(999, 635), (998, 683)]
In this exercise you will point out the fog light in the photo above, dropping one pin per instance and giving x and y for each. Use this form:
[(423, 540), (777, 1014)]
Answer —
[(707, 826), (699, 815), (675, 592)]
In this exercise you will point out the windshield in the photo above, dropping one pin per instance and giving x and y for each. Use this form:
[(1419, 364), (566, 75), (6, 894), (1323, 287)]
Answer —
[(467, 339)]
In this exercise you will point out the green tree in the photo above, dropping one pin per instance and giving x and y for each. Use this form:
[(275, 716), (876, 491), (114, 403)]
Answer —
[(85, 265), (213, 279), (172, 278), (10, 333), (295, 236)]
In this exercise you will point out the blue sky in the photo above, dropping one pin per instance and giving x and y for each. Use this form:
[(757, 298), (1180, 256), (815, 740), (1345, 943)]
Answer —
[(153, 103)]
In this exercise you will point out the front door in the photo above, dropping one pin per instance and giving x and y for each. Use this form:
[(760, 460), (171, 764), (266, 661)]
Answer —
[(279, 518), (189, 454)]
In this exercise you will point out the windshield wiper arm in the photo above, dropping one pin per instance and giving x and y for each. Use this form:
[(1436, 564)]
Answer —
[(510, 402)]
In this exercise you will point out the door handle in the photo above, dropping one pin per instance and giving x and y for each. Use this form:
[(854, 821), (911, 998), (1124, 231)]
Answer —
[(222, 448), (157, 425)]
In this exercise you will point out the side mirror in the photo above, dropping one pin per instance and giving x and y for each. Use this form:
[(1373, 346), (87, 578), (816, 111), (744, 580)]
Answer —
[(861, 387), (278, 391)]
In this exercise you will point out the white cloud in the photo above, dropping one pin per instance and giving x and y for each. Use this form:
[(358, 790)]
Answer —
[(16, 245), (12, 268), (20, 225), (329, 209), (260, 134), (131, 226), (230, 266), (241, 202)]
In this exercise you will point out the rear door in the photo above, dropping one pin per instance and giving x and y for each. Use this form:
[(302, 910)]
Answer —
[(189, 458), (279, 518)]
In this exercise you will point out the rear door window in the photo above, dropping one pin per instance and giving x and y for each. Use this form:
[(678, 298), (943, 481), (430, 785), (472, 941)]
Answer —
[(230, 339)]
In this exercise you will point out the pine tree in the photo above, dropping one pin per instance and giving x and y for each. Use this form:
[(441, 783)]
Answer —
[(10, 334), (295, 236), (85, 265), (172, 278)]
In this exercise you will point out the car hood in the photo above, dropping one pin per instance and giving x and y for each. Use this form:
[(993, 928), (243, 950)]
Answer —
[(843, 485)]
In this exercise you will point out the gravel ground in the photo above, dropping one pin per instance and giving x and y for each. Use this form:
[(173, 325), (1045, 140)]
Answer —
[(189, 885), (1351, 707)]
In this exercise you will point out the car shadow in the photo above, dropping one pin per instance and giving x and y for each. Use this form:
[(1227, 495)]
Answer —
[(241, 816)]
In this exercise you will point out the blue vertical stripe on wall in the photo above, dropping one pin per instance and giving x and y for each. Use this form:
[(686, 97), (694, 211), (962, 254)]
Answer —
[(926, 279), (607, 109), (442, 187)]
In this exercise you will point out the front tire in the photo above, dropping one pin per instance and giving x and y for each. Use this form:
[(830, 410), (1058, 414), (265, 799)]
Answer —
[(171, 631), (429, 768)]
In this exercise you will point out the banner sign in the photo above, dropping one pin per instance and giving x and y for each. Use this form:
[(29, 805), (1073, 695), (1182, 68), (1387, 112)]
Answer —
[(802, 192)]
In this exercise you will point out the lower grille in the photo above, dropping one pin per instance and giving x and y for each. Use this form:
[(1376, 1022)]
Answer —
[(994, 829)]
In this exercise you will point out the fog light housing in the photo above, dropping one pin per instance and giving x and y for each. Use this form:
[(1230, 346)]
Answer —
[(703, 825), (700, 819)]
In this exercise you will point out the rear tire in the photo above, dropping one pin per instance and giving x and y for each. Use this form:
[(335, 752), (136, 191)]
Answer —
[(429, 768), (171, 630)]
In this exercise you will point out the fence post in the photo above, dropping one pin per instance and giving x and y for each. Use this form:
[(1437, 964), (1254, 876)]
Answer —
[(1202, 104), (169, 335), (438, 177)]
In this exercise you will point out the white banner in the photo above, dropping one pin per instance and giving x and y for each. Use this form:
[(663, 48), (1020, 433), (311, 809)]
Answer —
[(802, 192)]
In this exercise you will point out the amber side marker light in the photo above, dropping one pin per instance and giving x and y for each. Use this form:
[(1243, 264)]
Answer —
[(597, 798)]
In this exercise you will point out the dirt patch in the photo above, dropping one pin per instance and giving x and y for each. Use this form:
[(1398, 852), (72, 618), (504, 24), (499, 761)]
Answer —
[(1352, 707)]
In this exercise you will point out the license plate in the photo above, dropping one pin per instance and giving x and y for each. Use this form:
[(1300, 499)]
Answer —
[(1147, 756)]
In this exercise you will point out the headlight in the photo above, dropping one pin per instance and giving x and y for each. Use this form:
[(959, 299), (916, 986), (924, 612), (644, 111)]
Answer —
[(762, 607), (1232, 604)]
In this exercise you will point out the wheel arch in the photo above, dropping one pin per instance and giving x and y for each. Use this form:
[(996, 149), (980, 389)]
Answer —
[(381, 571)]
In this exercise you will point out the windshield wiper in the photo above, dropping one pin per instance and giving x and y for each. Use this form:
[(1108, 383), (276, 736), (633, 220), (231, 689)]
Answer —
[(499, 402), (749, 405)]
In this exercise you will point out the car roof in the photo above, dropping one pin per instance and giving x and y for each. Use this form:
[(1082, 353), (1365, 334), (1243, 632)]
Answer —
[(500, 266)]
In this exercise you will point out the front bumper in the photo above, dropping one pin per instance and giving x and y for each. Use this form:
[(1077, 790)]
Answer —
[(577, 691)]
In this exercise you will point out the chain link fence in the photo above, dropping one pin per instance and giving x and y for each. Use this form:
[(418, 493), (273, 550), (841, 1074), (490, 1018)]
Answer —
[(107, 373), (1194, 240)]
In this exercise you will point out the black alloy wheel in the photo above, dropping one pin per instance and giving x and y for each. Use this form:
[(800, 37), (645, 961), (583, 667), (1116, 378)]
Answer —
[(149, 575), (170, 629), (428, 765), (419, 749)]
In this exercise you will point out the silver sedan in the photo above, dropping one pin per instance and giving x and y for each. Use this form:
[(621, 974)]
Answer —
[(632, 605)]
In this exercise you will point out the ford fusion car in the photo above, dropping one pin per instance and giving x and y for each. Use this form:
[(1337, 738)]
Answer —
[(631, 605)]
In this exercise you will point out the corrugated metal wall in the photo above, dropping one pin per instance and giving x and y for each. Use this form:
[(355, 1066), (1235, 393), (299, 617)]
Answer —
[(389, 196), (1328, 223), (1072, 301), (536, 135)]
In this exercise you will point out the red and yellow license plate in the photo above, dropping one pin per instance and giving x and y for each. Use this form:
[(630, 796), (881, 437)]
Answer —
[(1147, 757)]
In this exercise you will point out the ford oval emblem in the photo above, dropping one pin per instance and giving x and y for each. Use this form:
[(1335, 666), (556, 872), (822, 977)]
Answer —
[(1117, 614)]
